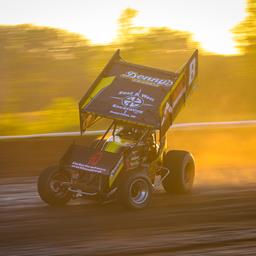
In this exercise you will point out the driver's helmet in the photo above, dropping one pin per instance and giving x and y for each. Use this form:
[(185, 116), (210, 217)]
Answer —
[(130, 132)]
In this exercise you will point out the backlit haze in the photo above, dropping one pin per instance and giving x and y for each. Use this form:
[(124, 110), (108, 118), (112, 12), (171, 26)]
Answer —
[(210, 21)]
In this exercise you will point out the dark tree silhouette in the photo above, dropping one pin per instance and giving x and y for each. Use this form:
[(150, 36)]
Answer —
[(245, 32), (125, 24)]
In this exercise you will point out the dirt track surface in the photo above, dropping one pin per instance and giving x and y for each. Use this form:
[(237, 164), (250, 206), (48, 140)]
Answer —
[(211, 221), (218, 218)]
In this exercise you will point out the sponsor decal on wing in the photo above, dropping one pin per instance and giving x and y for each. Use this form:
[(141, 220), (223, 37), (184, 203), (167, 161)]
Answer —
[(130, 103), (145, 79)]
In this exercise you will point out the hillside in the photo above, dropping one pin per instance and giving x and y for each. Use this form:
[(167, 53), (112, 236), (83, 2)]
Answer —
[(44, 72)]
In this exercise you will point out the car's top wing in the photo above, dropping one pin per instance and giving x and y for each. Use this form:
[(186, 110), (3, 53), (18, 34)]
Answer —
[(136, 94)]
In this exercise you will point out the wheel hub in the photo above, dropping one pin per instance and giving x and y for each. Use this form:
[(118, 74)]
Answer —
[(139, 191)]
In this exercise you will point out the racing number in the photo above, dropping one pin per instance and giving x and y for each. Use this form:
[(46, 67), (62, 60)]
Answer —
[(94, 159), (192, 71)]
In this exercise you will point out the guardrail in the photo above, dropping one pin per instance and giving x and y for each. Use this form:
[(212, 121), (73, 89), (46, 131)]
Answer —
[(198, 125), (60, 134), (214, 124)]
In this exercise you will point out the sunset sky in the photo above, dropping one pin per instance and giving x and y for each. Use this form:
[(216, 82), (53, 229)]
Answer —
[(210, 21)]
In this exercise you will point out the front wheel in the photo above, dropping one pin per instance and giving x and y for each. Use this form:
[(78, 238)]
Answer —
[(182, 172), (135, 189), (51, 186)]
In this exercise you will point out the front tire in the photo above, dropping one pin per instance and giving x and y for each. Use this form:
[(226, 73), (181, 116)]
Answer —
[(182, 172), (135, 190), (50, 186)]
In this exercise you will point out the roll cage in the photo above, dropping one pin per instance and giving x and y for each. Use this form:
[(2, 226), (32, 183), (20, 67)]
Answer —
[(145, 134)]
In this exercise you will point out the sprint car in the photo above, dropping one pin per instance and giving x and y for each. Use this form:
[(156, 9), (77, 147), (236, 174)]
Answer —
[(131, 159)]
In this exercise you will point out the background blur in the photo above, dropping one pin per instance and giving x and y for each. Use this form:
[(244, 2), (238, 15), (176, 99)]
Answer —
[(45, 70)]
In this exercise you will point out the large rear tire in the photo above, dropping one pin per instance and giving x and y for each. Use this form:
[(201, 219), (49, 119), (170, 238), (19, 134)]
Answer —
[(50, 186), (182, 172), (135, 190)]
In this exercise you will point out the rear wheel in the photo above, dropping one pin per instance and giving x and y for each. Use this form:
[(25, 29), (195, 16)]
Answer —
[(51, 186), (135, 189), (182, 172)]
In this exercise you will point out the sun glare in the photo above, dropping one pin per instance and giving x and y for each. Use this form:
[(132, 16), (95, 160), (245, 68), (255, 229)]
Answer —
[(210, 21), (96, 34), (213, 44)]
